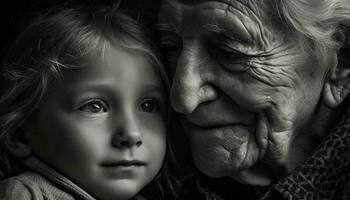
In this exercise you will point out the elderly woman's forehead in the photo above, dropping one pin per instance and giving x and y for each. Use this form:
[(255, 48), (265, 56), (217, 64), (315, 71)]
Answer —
[(193, 2), (228, 2), (258, 7), (256, 11)]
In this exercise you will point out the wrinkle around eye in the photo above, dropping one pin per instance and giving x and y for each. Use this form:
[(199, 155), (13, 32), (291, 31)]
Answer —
[(273, 77), (231, 59), (235, 66)]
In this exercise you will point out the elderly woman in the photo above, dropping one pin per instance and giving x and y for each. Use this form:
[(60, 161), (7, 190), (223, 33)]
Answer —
[(262, 85)]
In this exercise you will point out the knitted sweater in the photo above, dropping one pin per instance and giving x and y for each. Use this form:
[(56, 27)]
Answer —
[(48, 184), (42, 183)]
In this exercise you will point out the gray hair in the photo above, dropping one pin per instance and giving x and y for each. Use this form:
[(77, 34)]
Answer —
[(324, 22)]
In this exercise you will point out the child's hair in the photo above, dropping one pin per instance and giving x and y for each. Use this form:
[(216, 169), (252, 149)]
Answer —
[(64, 38)]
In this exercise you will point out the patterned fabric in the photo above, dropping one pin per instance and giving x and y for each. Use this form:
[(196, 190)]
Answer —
[(325, 175)]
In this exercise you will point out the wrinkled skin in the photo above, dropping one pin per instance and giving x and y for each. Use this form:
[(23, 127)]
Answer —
[(248, 91)]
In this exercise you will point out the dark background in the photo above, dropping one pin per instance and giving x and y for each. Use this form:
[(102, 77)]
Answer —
[(15, 15)]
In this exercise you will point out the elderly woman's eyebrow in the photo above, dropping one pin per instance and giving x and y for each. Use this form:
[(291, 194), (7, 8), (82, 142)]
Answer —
[(223, 33)]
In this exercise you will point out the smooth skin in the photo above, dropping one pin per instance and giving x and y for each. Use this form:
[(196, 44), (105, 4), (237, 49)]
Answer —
[(110, 111)]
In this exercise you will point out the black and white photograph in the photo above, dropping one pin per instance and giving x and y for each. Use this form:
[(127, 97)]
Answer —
[(175, 100)]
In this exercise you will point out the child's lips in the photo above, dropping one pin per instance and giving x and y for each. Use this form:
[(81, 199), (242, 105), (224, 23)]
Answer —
[(123, 163), (123, 169)]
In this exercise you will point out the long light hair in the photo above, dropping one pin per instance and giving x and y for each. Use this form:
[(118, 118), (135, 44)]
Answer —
[(63, 38)]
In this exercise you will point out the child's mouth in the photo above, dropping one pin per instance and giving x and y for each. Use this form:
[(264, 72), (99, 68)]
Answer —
[(123, 163)]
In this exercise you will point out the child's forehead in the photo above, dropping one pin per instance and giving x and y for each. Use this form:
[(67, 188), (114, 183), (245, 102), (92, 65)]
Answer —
[(118, 73), (106, 59), (118, 59), (97, 47)]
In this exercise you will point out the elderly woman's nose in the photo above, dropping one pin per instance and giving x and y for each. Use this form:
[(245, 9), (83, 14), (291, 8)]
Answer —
[(189, 87)]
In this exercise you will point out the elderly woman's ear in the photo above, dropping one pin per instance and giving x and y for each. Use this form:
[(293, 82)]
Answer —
[(338, 85)]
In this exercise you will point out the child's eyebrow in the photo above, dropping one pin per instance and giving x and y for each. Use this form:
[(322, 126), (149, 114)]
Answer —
[(106, 88), (153, 87)]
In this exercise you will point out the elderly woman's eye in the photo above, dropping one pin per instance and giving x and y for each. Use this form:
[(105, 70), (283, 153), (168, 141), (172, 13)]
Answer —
[(149, 105), (231, 59), (94, 106), (230, 55)]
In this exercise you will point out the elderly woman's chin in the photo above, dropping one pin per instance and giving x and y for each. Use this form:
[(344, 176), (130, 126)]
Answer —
[(215, 156), (216, 167)]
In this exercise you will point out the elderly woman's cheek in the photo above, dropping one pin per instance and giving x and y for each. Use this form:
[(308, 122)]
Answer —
[(276, 92), (271, 94), (282, 112), (249, 93)]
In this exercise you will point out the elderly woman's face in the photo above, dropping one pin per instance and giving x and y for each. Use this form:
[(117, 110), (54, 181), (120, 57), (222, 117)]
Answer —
[(246, 88)]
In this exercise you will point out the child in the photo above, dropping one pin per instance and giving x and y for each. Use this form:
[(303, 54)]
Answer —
[(84, 113)]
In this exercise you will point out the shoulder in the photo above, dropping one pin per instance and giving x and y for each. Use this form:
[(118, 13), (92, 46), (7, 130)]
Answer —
[(21, 187)]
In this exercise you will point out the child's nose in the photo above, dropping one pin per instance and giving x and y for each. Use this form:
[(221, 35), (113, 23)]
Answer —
[(128, 135), (127, 143)]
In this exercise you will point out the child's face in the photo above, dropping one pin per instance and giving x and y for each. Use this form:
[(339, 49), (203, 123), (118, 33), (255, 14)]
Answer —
[(103, 125)]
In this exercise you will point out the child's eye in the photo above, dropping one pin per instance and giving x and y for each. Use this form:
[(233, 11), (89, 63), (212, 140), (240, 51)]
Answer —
[(94, 106), (149, 105)]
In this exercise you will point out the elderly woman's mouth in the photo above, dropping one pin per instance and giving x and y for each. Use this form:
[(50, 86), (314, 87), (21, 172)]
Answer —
[(231, 146), (212, 124), (235, 130)]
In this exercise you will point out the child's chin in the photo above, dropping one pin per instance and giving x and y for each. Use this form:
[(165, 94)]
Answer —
[(119, 190)]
